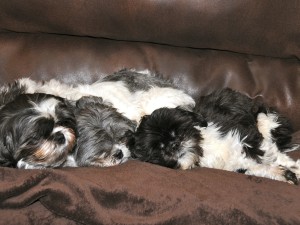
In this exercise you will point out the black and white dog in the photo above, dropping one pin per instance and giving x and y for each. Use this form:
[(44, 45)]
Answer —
[(36, 130), (134, 94), (227, 130), (103, 133)]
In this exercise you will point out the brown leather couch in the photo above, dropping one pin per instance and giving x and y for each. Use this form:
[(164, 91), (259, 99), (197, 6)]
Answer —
[(250, 46)]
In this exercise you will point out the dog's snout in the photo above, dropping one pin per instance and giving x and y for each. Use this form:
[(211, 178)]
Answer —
[(59, 138), (119, 154)]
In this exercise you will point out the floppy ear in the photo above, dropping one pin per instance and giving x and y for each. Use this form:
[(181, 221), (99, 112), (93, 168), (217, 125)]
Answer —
[(135, 149), (198, 119), (129, 138)]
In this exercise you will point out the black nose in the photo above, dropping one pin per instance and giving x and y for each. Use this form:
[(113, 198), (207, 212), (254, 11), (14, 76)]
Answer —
[(119, 154), (59, 138)]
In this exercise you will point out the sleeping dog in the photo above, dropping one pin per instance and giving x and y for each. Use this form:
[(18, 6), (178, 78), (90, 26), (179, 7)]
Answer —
[(103, 133), (36, 130), (226, 130)]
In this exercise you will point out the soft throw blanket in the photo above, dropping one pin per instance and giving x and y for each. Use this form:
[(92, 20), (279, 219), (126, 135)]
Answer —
[(142, 193)]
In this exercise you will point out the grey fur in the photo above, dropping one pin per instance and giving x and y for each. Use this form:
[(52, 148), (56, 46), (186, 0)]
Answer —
[(100, 130), (136, 81)]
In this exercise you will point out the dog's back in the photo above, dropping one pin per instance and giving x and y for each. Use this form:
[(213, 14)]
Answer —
[(138, 80), (232, 111)]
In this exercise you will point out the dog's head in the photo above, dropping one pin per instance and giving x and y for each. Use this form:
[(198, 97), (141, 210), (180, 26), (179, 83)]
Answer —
[(36, 131), (169, 137), (103, 133)]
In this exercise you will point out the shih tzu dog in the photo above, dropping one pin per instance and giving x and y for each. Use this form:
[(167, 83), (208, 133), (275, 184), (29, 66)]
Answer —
[(134, 94), (102, 133), (36, 130), (226, 130)]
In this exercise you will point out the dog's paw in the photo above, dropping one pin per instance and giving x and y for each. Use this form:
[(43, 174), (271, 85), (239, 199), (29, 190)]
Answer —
[(291, 177)]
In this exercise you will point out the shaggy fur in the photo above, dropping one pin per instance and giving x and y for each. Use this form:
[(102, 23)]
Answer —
[(36, 130), (240, 135), (102, 127), (134, 94), (102, 133)]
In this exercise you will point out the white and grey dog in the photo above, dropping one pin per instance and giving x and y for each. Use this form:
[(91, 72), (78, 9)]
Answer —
[(103, 134), (134, 94), (227, 130)]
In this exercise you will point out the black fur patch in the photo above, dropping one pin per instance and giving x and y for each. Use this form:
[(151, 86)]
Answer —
[(290, 176), (231, 110), (241, 170)]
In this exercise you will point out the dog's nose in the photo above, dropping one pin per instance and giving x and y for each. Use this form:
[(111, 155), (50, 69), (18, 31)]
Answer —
[(59, 138), (119, 154)]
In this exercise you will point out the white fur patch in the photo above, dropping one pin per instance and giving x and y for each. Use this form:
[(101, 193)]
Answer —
[(145, 71), (266, 123), (221, 152), (124, 149), (24, 165), (47, 107), (158, 97), (131, 105), (117, 94), (70, 162), (31, 85)]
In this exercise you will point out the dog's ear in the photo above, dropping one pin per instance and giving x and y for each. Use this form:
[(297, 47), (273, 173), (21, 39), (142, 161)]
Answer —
[(129, 138), (198, 119), (131, 145)]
